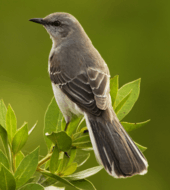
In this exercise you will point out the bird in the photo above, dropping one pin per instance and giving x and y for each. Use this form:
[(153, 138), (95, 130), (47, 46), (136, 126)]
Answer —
[(81, 84)]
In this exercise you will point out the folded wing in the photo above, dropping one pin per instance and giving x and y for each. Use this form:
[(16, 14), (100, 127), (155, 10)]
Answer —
[(89, 90)]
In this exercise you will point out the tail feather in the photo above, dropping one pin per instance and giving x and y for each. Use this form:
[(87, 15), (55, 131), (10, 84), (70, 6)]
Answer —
[(114, 149)]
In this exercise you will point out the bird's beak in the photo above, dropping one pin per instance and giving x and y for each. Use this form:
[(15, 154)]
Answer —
[(38, 20)]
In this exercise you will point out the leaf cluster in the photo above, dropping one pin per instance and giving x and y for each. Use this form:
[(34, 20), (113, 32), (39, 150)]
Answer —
[(68, 145)]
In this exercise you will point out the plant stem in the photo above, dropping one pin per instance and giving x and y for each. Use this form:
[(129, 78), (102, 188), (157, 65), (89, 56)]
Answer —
[(44, 160), (14, 162), (39, 169)]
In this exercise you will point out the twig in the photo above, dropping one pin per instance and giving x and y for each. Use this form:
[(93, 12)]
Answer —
[(44, 160)]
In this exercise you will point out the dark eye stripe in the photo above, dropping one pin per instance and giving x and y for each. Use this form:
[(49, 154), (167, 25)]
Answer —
[(56, 23)]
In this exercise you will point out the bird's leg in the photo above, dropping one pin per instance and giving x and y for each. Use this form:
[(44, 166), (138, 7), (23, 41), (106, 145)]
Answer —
[(66, 126)]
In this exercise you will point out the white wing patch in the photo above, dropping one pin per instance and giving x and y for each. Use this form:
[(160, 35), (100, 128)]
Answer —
[(100, 85)]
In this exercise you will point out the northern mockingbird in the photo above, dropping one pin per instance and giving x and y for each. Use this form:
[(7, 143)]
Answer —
[(81, 84)]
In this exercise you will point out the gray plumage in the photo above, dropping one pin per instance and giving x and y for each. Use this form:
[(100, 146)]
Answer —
[(81, 84)]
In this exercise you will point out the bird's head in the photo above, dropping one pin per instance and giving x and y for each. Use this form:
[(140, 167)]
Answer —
[(61, 26)]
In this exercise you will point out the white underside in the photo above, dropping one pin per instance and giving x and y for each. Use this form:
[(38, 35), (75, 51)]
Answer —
[(67, 107)]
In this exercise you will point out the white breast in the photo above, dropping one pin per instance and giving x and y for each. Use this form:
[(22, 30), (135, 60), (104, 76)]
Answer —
[(67, 107)]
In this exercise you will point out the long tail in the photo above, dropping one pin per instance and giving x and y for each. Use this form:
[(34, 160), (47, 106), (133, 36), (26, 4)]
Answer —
[(114, 148)]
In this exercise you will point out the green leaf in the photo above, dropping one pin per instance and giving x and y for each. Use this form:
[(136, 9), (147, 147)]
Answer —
[(114, 85), (73, 153), (81, 140), (85, 173), (20, 138), (81, 184), (54, 159), (47, 164), (82, 125), (76, 135), (65, 161), (84, 129), (132, 126), (56, 177), (87, 146), (47, 181), (11, 123), (36, 177), (4, 160), (7, 181), (4, 137), (122, 93), (120, 106), (70, 169), (53, 118), (61, 139), (141, 148), (41, 178), (31, 180), (18, 158), (81, 157), (60, 162), (63, 124), (82, 132), (74, 124), (32, 129), (60, 123), (32, 186), (27, 168), (3, 112)]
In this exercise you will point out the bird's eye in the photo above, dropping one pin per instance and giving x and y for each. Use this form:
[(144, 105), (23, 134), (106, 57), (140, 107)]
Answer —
[(57, 23)]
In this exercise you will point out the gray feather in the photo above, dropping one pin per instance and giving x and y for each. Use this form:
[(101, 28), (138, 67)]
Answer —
[(118, 153), (81, 84)]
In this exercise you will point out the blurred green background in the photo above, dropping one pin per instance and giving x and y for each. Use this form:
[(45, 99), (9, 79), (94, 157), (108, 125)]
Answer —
[(134, 39)]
